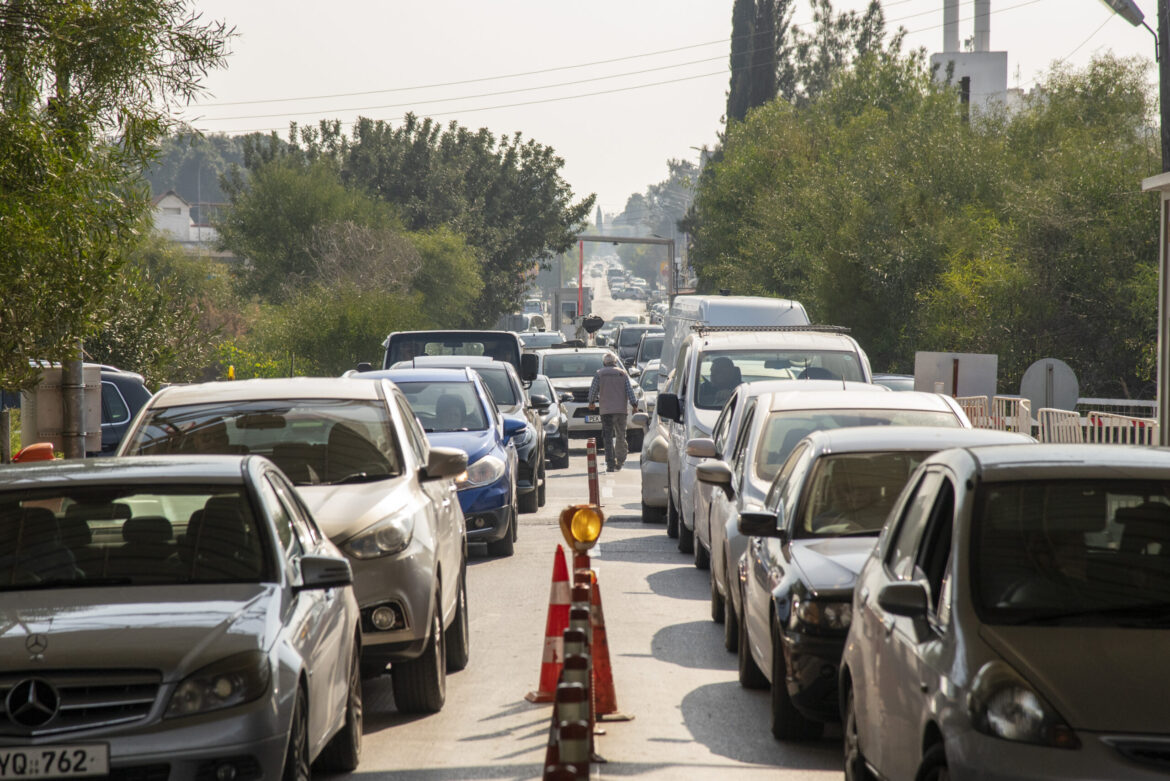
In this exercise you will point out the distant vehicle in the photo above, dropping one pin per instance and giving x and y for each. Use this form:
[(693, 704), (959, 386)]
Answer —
[(571, 371), (895, 382), (362, 465), (535, 341), (649, 348), (626, 319), (555, 418), (820, 519), (456, 410), (520, 322), (405, 345), (630, 338), (1012, 623), (687, 312), (167, 616), (532, 306)]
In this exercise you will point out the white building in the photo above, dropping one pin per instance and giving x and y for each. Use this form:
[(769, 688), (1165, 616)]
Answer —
[(172, 218), (980, 74)]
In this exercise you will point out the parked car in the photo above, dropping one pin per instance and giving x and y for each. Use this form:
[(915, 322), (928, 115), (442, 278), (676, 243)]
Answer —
[(571, 370), (177, 617), (629, 339), (1012, 623), (646, 388), (510, 399), (123, 394), (455, 409), (406, 345), (820, 519), (649, 349), (362, 465), (711, 363), (895, 382), (554, 418), (652, 465), (534, 340)]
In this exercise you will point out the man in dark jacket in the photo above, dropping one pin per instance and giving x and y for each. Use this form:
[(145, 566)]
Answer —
[(611, 386)]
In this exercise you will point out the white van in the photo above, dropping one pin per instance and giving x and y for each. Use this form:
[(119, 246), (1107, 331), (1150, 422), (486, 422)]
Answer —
[(689, 311)]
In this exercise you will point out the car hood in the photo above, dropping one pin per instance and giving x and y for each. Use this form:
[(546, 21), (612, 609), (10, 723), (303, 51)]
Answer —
[(476, 444), (832, 563), (176, 629), (1093, 676), (572, 383), (344, 510)]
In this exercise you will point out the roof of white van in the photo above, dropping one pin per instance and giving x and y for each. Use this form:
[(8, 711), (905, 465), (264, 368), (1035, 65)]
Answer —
[(739, 310), (798, 340)]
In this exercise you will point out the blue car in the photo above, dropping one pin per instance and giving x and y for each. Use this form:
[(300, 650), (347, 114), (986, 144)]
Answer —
[(455, 409)]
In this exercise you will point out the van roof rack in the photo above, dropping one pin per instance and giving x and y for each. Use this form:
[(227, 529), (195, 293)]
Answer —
[(702, 330)]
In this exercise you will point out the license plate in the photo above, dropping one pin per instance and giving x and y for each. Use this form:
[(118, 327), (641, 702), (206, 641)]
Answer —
[(592, 418), (90, 759)]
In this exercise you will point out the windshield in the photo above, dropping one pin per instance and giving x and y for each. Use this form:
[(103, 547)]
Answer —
[(410, 345), (630, 337), (543, 339), (721, 372), (852, 493), (572, 364), (1086, 552), (649, 380), (540, 387), (314, 441), (498, 382), (651, 348), (81, 536), (445, 406), (784, 429)]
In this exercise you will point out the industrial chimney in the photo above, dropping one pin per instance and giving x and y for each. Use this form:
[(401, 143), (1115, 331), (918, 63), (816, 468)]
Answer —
[(982, 25), (950, 25)]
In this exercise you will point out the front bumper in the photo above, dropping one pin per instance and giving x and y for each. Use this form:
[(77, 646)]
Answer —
[(557, 445), (813, 662), (653, 483), (489, 525), (528, 466), (404, 582), (578, 412), (973, 755)]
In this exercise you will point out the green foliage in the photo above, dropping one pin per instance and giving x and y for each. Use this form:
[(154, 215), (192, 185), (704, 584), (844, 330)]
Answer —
[(192, 164), (447, 279), (879, 208)]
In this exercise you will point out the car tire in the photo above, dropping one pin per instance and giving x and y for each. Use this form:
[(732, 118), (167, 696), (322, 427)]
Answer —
[(459, 633), (730, 626), (787, 722), (750, 676), (530, 502), (652, 514), (716, 602), (344, 750), (856, 768), (634, 439), (296, 755), (671, 516), (686, 538), (702, 558), (541, 492), (934, 765), (420, 685), (561, 462), (506, 545)]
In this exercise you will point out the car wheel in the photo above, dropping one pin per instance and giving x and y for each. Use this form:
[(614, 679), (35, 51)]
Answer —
[(420, 685), (652, 514), (750, 676), (506, 545), (344, 749), (934, 765), (856, 768), (634, 440), (562, 462), (702, 558), (296, 756), (787, 722), (459, 634), (541, 495), (671, 517), (730, 626), (686, 538), (530, 502), (716, 602)]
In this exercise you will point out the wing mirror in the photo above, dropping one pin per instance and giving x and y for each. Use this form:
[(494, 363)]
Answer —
[(668, 407), (714, 473), (540, 402), (529, 367), (639, 420), (701, 447), (513, 426), (761, 523), (444, 462), (323, 572)]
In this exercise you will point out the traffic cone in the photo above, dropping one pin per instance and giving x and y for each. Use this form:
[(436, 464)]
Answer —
[(558, 622), (604, 696)]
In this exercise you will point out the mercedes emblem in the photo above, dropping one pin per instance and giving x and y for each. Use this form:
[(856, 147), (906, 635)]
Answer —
[(36, 644), (32, 703)]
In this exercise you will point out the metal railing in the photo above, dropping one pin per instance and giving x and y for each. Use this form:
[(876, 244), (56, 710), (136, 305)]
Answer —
[(1107, 427), (1058, 425)]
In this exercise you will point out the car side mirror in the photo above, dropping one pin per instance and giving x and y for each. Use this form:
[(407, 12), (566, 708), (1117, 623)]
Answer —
[(322, 572), (668, 407), (540, 402), (762, 523), (701, 447), (639, 420), (904, 598), (513, 426), (529, 367), (444, 462), (714, 473)]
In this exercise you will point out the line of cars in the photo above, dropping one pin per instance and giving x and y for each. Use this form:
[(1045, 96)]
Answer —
[(947, 593)]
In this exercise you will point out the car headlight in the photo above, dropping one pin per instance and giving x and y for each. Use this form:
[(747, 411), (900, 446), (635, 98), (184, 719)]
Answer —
[(225, 684), (385, 538), (823, 615), (552, 426), (1003, 705), (524, 437), (485, 471)]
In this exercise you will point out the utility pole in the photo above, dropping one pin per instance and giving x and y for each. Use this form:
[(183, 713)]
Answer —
[(1163, 79)]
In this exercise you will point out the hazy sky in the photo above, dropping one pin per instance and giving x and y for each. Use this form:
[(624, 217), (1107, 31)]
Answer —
[(666, 78)]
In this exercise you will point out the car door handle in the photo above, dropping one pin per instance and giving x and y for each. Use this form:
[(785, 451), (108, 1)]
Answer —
[(889, 625)]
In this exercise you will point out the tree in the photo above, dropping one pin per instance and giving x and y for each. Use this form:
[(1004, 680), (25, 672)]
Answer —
[(74, 76)]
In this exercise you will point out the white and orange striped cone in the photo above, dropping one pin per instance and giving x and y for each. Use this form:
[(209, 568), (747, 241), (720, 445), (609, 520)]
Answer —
[(558, 621)]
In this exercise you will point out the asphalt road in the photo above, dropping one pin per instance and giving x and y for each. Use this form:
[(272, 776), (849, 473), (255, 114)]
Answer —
[(692, 720)]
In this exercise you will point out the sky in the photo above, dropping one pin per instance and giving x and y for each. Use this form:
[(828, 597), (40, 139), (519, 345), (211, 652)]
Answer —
[(615, 87)]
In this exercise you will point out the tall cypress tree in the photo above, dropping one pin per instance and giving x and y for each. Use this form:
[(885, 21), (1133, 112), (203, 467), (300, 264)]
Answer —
[(743, 16)]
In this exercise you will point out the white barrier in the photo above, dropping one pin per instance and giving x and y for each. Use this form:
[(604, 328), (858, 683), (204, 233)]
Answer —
[(1107, 427), (976, 409), (1061, 426), (1010, 413)]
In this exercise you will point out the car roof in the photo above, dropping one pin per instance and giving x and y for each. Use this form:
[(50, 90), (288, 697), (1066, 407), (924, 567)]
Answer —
[(801, 340), (1057, 461), (408, 374), (858, 439), (567, 350), (127, 470), (855, 399), (453, 360), (760, 387), (256, 390)]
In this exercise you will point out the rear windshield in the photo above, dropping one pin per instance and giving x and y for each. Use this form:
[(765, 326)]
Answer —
[(407, 346), (649, 380), (1084, 552), (445, 406), (720, 372), (314, 441), (651, 348), (572, 364), (85, 536), (784, 429), (631, 336)]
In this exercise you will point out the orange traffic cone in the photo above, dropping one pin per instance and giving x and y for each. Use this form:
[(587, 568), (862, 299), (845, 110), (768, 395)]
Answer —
[(558, 622), (604, 696)]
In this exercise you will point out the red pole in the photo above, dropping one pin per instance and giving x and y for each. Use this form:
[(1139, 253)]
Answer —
[(580, 278), (591, 462)]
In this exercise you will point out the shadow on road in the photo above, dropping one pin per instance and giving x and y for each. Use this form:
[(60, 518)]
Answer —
[(653, 547), (679, 583), (690, 645)]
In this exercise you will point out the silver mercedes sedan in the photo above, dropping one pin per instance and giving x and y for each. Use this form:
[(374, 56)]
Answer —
[(179, 618)]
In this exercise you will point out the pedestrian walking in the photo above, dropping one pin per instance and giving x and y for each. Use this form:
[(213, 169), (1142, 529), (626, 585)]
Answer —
[(611, 386)]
